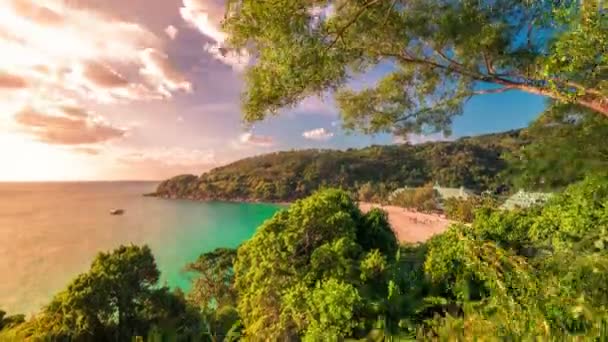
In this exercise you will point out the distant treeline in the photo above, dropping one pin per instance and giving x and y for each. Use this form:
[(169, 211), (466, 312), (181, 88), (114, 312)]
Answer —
[(476, 163), (550, 154)]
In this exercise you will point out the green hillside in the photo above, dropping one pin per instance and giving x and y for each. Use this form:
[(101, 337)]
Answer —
[(474, 162)]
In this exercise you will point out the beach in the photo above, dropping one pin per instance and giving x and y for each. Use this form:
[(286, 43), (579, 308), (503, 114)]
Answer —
[(411, 226)]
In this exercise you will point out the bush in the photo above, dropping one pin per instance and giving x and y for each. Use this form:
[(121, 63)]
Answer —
[(464, 209), (425, 199)]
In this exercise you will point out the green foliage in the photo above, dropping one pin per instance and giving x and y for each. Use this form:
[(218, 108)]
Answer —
[(371, 173), (322, 270), (566, 145), (464, 209), (441, 52), (213, 286), (372, 193), (305, 270), (178, 186), (424, 199), (11, 321), (116, 299)]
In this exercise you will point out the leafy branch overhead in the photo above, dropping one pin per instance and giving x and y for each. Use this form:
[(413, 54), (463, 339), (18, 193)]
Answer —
[(439, 54)]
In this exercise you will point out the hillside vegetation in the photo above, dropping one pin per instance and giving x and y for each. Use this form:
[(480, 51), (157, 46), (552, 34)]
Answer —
[(322, 270), (476, 163)]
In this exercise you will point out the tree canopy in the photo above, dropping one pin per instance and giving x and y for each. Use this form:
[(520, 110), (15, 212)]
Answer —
[(476, 163), (440, 53), (116, 300), (314, 270)]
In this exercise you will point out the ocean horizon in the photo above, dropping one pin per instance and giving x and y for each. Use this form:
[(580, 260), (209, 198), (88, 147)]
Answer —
[(50, 231)]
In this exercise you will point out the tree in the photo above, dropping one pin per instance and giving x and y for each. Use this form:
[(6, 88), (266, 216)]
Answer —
[(440, 53), (117, 299), (565, 146), (214, 284), (313, 270), (9, 321)]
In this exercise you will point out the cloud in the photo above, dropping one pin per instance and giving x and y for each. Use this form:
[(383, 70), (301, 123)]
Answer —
[(87, 150), (10, 81), (171, 31), (74, 111), (40, 14), (55, 46), (251, 139), (416, 139), (237, 60), (170, 156), (160, 71), (319, 134), (103, 76), (165, 162), (66, 127), (206, 17), (316, 105)]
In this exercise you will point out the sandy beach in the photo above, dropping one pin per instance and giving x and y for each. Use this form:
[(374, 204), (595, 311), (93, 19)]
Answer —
[(411, 226)]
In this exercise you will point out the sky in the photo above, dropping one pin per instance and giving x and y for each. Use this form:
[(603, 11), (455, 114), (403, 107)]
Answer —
[(126, 90)]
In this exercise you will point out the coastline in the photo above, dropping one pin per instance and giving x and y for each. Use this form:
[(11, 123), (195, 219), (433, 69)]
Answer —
[(225, 200), (409, 226)]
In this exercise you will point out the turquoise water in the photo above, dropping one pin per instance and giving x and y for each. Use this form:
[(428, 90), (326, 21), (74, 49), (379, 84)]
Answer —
[(50, 232)]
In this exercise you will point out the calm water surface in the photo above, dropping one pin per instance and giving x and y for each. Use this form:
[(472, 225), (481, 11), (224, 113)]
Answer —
[(50, 232)]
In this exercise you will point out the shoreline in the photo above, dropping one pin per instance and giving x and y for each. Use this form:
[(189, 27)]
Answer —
[(409, 226)]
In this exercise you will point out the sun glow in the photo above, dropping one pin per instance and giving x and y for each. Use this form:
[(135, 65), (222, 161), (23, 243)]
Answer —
[(27, 160)]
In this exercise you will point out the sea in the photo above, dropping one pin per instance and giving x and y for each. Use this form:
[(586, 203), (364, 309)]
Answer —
[(51, 232)]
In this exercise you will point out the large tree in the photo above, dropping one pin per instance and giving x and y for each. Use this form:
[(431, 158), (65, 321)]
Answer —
[(440, 53), (314, 271), (116, 300)]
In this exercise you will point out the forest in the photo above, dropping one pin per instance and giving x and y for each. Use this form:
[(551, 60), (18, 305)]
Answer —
[(475, 163)]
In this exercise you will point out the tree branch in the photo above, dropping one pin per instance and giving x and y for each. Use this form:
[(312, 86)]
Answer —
[(351, 22), (465, 96), (488, 62), (598, 104)]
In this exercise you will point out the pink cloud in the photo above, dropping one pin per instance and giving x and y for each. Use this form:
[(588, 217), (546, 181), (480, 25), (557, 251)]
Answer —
[(10, 81), (103, 76), (171, 31), (65, 128), (158, 68)]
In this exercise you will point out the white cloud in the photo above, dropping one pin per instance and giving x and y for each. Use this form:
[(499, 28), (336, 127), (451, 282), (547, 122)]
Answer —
[(171, 31), (415, 139), (319, 134), (316, 105), (206, 17), (158, 68), (251, 139)]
